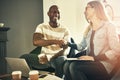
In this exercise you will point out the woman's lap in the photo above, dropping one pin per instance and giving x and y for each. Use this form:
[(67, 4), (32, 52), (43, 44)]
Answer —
[(90, 69)]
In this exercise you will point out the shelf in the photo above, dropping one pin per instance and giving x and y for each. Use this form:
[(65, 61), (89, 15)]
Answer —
[(4, 28)]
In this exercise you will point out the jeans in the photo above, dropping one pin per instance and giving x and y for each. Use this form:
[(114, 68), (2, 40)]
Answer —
[(58, 63), (85, 70)]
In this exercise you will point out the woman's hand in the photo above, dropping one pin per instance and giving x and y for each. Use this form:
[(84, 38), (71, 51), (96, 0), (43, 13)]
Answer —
[(86, 58)]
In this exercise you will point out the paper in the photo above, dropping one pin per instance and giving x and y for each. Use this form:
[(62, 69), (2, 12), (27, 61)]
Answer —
[(51, 77), (72, 59)]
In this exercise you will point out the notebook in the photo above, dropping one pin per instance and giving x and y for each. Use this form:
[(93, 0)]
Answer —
[(18, 64), (77, 59), (72, 59)]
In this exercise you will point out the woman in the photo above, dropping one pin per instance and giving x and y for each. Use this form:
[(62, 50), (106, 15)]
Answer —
[(102, 47)]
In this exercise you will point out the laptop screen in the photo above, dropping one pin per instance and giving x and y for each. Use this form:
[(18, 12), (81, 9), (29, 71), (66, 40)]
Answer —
[(18, 64)]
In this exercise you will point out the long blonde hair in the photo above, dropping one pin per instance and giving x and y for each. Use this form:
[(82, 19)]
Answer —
[(99, 10), (100, 13)]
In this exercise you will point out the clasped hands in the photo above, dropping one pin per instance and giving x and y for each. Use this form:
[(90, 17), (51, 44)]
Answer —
[(62, 43)]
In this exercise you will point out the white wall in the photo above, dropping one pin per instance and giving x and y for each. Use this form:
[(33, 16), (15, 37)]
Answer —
[(116, 8), (72, 14)]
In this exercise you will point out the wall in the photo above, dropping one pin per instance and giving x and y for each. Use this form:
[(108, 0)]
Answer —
[(72, 15), (22, 16), (116, 9)]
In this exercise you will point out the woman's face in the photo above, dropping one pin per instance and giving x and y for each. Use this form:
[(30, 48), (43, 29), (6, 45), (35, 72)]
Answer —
[(89, 12)]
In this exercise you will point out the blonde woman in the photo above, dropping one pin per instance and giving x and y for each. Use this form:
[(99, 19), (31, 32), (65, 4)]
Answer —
[(102, 47)]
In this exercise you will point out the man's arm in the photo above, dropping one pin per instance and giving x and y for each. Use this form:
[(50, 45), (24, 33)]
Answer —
[(45, 58), (39, 41)]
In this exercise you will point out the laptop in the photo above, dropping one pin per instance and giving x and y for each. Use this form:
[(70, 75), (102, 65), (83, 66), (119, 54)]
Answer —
[(21, 65), (18, 64)]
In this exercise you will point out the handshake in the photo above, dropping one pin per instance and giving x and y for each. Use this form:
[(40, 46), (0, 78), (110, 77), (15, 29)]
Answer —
[(62, 43), (44, 58)]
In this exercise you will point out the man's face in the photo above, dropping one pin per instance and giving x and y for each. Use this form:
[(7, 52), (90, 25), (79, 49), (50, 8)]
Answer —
[(54, 14)]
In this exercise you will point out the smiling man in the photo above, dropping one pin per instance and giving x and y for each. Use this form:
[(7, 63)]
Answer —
[(53, 38)]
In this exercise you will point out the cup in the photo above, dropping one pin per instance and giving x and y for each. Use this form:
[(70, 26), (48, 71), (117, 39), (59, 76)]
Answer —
[(16, 75), (1, 24), (34, 75)]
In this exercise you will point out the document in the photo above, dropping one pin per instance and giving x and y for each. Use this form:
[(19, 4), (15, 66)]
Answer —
[(51, 77)]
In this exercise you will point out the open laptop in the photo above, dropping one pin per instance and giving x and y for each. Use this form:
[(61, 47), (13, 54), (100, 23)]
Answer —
[(18, 64), (21, 65)]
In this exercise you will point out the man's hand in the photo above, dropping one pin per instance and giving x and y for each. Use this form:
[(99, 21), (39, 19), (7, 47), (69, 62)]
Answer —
[(62, 44), (43, 58)]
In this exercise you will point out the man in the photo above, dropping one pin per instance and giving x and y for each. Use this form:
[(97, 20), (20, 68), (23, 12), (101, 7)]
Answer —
[(53, 38)]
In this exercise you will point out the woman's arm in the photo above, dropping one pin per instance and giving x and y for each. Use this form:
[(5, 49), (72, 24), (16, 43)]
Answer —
[(114, 42)]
